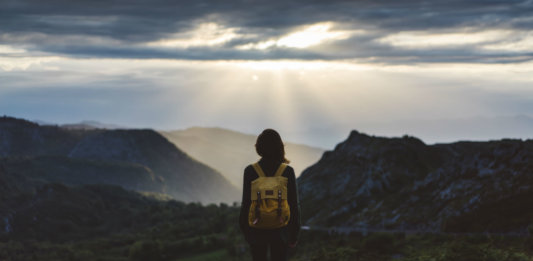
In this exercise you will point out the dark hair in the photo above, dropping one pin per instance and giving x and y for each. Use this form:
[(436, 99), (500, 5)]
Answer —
[(270, 146)]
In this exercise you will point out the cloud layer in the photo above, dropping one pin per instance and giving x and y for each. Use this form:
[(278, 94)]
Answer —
[(394, 32)]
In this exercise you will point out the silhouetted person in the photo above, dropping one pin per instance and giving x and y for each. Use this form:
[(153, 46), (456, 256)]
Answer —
[(270, 212)]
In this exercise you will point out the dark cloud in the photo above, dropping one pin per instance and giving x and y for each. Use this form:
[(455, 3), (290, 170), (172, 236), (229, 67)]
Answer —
[(119, 28)]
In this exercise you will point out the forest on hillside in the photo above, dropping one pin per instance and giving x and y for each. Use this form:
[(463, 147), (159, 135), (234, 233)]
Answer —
[(101, 222)]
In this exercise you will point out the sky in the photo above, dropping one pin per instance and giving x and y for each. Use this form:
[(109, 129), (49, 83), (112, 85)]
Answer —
[(314, 70)]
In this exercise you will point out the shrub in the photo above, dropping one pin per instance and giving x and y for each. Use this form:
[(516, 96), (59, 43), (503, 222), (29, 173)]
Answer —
[(145, 250), (380, 243)]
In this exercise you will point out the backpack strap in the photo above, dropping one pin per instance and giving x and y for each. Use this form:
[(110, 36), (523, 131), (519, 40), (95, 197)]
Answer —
[(258, 170), (280, 170), (257, 206)]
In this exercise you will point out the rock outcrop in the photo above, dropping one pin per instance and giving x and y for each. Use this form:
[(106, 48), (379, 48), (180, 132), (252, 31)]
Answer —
[(402, 183)]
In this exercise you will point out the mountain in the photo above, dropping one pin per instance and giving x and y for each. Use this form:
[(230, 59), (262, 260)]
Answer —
[(19, 137), (40, 170), (135, 159), (230, 151), (92, 125), (185, 178), (402, 183)]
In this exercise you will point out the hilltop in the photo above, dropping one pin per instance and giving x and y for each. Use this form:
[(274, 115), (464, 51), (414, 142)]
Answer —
[(142, 160), (402, 183)]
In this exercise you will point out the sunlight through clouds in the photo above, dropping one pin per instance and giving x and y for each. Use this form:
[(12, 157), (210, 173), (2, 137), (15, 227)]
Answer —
[(446, 39), (289, 95), (521, 42), (312, 35), (6, 50), (205, 34), (24, 63), (308, 36), (291, 65), (14, 58)]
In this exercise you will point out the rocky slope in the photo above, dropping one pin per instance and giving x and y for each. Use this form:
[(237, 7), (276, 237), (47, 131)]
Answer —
[(402, 183), (230, 151), (134, 159)]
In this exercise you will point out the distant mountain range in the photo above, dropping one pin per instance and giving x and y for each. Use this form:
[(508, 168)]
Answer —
[(92, 125), (436, 130), (402, 183), (230, 151), (83, 125), (142, 160)]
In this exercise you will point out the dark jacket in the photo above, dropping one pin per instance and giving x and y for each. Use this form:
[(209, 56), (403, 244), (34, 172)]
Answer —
[(289, 233)]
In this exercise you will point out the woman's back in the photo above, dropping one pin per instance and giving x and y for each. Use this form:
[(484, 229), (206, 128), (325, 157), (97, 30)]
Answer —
[(270, 147)]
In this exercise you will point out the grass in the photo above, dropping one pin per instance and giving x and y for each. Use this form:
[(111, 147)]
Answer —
[(220, 254)]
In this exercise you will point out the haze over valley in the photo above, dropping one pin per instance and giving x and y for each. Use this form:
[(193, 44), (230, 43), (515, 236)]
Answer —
[(230, 152)]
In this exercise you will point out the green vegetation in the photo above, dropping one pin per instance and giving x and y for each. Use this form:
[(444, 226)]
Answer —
[(102, 222), (428, 247), (40, 170)]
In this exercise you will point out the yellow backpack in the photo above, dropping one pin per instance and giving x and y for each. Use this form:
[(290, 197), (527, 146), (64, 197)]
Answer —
[(269, 208)]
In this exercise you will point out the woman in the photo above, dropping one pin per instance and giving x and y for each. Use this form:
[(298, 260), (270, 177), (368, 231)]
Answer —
[(272, 163)]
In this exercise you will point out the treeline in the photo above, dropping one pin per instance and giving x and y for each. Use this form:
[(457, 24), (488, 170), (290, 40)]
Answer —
[(100, 222)]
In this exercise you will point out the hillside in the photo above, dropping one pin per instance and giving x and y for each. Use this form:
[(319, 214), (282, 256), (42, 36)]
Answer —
[(135, 159), (103, 222), (40, 170), (402, 183), (230, 152)]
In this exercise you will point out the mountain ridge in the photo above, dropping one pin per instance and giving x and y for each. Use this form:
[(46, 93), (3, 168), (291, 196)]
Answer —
[(401, 182), (113, 150)]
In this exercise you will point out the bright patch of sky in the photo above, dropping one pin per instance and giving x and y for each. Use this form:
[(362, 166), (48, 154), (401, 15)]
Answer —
[(434, 39), (308, 36), (384, 68), (205, 34)]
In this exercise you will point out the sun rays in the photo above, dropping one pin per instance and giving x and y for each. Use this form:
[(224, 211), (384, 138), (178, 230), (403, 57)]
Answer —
[(289, 95)]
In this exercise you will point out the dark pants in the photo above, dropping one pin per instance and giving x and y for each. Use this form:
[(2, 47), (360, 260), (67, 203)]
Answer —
[(263, 241), (278, 250)]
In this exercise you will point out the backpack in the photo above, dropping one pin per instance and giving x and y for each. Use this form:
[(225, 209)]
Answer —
[(269, 208)]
